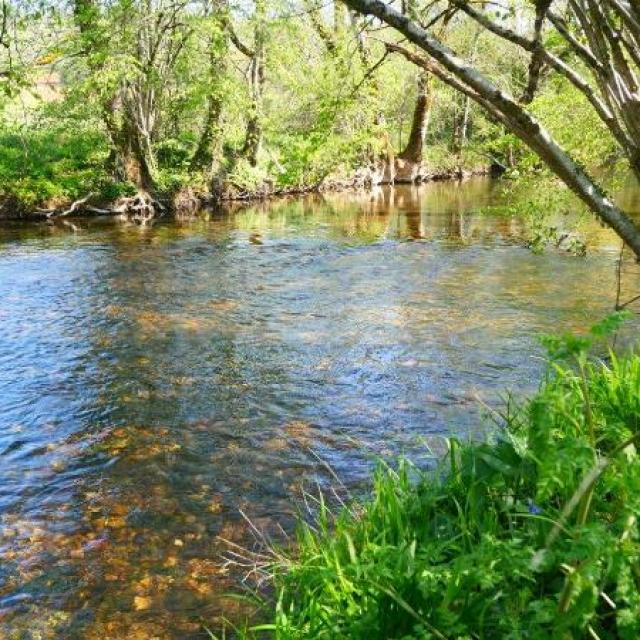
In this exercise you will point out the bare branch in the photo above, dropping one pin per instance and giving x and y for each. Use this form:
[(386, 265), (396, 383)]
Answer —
[(578, 48), (538, 54), (543, 55), (237, 43)]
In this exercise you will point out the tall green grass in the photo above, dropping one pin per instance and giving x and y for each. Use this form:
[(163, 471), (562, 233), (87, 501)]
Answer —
[(533, 534)]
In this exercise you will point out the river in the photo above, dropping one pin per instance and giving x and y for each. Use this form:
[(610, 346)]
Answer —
[(154, 382)]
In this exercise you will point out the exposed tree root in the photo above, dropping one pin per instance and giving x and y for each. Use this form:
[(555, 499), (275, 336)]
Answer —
[(408, 172), (186, 203), (141, 208)]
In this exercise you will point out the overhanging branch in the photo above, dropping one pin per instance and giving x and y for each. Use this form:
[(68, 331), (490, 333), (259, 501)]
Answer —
[(516, 118)]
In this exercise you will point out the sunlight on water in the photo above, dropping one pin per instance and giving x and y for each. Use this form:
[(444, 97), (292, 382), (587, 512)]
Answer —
[(153, 382)]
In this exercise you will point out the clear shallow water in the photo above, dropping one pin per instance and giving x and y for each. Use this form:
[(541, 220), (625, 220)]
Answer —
[(155, 381)]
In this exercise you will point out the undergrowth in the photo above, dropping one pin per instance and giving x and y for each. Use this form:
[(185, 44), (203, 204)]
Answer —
[(43, 166)]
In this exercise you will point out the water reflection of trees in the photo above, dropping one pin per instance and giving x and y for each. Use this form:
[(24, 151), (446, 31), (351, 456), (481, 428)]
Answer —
[(443, 210)]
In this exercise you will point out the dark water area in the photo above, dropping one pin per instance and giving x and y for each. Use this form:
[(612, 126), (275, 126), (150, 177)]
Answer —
[(156, 381)]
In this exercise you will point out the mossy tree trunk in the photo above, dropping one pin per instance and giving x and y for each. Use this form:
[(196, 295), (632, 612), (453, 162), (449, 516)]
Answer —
[(254, 131), (208, 153), (414, 149)]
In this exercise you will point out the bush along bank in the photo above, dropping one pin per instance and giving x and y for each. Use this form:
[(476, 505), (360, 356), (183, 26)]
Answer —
[(532, 534)]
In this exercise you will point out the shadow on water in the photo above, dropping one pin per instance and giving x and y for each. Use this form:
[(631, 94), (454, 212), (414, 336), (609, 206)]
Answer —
[(153, 382)]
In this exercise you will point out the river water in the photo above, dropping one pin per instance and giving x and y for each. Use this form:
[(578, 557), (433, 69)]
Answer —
[(154, 382)]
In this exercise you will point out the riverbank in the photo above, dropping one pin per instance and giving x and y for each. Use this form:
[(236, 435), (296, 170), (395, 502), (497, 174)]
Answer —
[(532, 533), (188, 200)]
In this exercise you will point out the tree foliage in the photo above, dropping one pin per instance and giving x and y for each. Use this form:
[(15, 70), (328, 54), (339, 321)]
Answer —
[(598, 56)]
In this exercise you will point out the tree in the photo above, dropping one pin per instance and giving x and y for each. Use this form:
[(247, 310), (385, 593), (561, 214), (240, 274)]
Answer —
[(603, 36), (5, 72), (153, 33), (254, 130), (209, 149), (409, 160)]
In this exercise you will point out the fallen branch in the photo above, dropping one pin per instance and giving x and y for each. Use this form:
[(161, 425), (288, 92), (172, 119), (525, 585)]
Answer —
[(78, 203), (139, 208)]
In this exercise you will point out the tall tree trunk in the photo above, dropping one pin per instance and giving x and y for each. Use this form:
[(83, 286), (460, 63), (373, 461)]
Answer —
[(254, 131), (131, 156), (208, 153), (414, 149), (134, 147), (410, 158), (85, 15), (209, 149), (461, 125)]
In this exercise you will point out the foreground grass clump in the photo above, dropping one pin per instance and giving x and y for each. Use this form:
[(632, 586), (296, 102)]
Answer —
[(532, 535)]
